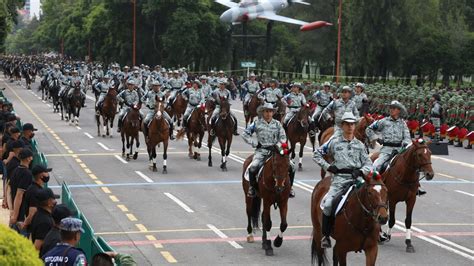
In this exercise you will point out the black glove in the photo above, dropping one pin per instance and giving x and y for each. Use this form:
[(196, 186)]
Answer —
[(332, 169), (356, 173), (259, 145)]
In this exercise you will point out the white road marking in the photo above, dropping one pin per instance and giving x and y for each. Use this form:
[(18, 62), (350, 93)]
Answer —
[(400, 226), (39, 98), (120, 159), (452, 161), (306, 185), (224, 236), (465, 193), (78, 128), (49, 105), (90, 98), (302, 187), (88, 135), (142, 175), (104, 147), (236, 110), (179, 202)]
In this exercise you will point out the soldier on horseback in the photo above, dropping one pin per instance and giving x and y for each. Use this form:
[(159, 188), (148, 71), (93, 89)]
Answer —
[(217, 94), (71, 83), (102, 87), (339, 107), (205, 87), (269, 133), (251, 87), (195, 98), (130, 99), (271, 94), (176, 83), (97, 75), (295, 100), (351, 161), (150, 99), (360, 98), (322, 98)]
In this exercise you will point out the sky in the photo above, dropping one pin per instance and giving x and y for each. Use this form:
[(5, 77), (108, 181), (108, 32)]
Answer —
[(35, 7)]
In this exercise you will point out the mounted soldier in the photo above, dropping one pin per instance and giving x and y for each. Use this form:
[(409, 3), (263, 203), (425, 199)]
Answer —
[(322, 98), (217, 94), (339, 107), (130, 99), (251, 87), (150, 101), (102, 87), (195, 98)]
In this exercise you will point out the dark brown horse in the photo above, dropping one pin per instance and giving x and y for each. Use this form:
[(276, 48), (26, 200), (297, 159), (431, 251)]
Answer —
[(223, 128), (357, 225), (359, 134), (402, 180), (280, 110), (297, 132), (75, 105), (210, 106), (158, 131), (273, 189), (107, 111), (195, 132), (130, 130), (250, 109), (177, 108)]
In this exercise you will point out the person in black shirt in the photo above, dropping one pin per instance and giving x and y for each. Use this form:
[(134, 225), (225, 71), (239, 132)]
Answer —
[(42, 222), (40, 177), (12, 135), (20, 181), (28, 134), (11, 165), (53, 237)]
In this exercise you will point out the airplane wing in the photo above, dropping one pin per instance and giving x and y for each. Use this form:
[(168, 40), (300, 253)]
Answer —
[(227, 3), (273, 16)]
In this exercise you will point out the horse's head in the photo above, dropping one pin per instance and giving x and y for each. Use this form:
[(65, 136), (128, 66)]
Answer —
[(420, 156), (376, 194), (280, 167), (225, 108), (159, 106), (303, 116)]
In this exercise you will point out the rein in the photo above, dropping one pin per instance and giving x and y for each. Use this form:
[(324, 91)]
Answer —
[(400, 181)]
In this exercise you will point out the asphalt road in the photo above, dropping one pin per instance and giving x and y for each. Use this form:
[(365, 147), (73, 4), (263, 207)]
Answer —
[(196, 214)]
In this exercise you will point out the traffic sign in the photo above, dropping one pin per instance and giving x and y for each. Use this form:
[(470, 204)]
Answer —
[(248, 64)]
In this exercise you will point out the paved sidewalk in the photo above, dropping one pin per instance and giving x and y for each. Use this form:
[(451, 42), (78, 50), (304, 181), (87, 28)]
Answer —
[(3, 213)]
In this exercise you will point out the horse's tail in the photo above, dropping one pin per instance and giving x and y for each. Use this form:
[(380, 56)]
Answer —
[(318, 254), (255, 213)]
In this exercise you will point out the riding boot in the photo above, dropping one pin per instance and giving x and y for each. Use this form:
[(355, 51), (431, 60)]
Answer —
[(83, 103), (171, 131), (326, 230), (468, 147), (119, 125), (420, 192), (253, 184), (450, 142), (291, 173), (235, 128), (459, 144), (211, 131)]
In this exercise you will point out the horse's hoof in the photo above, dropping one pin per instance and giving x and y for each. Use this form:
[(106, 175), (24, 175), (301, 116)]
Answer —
[(410, 249), (154, 169), (278, 241), (190, 156), (269, 252), (300, 168), (195, 156), (198, 157), (135, 156), (103, 135), (209, 164), (164, 171), (250, 239), (127, 158)]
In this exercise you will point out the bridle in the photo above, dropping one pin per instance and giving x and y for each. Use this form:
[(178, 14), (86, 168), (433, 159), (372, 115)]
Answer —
[(375, 209), (411, 166)]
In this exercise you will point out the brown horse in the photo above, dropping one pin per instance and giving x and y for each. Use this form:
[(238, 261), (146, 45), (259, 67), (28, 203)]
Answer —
[(158, 131), (177, 108), (195, 132), (402, 180), (107, 111), (210, 106), (280, 110), (250, 109), (75, 105), (357, 225), (359, 134), (297, 131), (322, 125), (130, 130), (273, 189), (223, 128)]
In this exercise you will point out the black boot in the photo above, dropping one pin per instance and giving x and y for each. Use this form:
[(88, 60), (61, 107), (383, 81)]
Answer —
[(326, 228), (253, 184), (292, 178), (420, 192), (119, 125), (171, 131), (468, 147), (450, 142), (84, 102), (211, 127), (459, 144), (235, 128)]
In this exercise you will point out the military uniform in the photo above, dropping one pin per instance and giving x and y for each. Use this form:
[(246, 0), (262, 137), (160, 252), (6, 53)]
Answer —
[(322, 98), (271, 95), (268, 134), (436, 114), (175, 84), (394, 135), (295, 101), (150, 99), (339, 107), (195, 97), (251, 87), (103, 88), (130, 98), (217, 94)]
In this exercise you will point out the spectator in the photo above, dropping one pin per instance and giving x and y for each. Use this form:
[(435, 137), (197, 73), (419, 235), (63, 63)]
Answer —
[(40, 177), (70, 231), (10, 165), (12, 134), (19, 183), (28, 134), (53, 237), (42, 222)]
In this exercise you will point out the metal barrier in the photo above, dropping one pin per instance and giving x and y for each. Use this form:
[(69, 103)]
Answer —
[(89, 243)]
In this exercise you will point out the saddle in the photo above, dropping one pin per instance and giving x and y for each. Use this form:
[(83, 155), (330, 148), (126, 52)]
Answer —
[(386, 165), (259, 173), (289, 120), (340, 200)]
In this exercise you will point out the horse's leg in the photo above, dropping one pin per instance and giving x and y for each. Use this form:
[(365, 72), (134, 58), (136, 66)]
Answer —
[(341, 256), (97, 118), (154, 158), (112, 125), (283, 225), (190, 146), (137, 139), (106, 125), (222, 144), (165, 156), (391, 221), (410, 202), (335, 259), (209, 146), (267, 225), (248, 210), (300, 163), (371, 255), (123, 144)]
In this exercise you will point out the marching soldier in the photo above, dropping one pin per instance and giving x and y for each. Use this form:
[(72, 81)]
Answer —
[(436, 115)]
